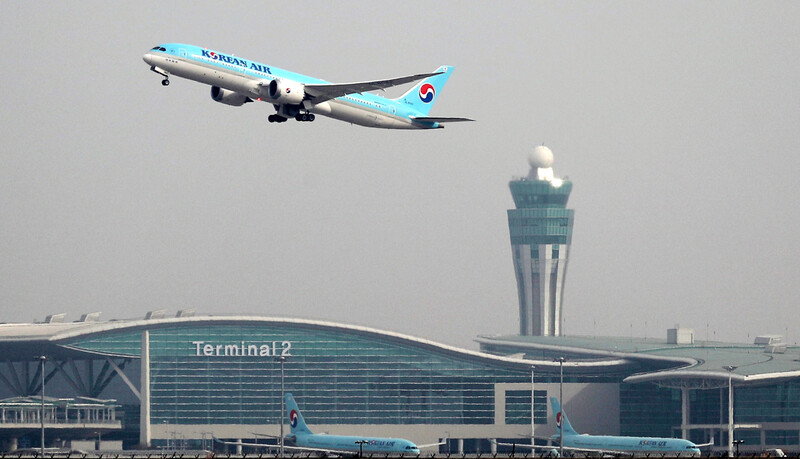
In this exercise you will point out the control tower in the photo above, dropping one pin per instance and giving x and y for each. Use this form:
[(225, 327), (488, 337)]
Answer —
[(541, 233)]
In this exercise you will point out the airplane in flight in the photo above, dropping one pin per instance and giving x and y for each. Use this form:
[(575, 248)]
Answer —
[(613, 444), (303, 440), (236, 81)]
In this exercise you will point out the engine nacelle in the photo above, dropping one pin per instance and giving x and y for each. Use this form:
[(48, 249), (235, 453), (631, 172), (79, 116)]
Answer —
[(286, 92), (228, 97)]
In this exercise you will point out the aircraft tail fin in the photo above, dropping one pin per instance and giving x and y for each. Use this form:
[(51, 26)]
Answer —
[(422, 96), (296, 422), (561, 418)]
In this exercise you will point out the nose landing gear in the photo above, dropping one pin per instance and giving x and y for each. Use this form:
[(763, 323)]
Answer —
[(305, 117), (165, 81)]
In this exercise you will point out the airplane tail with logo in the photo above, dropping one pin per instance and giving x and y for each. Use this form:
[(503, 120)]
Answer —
[(561, 418), (296, 422), (422, 96)]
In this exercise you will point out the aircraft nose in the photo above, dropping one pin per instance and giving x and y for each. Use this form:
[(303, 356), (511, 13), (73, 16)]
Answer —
[(148, 58)]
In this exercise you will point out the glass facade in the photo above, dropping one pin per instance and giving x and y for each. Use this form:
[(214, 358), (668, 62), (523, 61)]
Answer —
[(226, 374), (540, 226), (649, 410), (782, 437), (769, 403)]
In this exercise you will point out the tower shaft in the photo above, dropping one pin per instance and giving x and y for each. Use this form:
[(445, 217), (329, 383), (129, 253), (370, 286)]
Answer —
[(541, 234)]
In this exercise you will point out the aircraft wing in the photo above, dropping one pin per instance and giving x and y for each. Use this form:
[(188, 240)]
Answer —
[(257, 445), (598, 450), (265, 435), (527, 445), (431, 445), (322, 92), (285, 447)]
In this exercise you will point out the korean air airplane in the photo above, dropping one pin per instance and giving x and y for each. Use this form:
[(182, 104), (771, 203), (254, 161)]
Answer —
[(236, 81), (617, 444), (607, 444), (304, 439)]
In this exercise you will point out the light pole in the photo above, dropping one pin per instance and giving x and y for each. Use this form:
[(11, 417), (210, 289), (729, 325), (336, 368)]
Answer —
[(360, 444), (737, 443), (281, 359), (730, 369), (42, 358), (533, 411), (560, 361)]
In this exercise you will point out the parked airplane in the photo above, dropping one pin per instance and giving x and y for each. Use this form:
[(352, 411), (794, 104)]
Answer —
[(302, 439), (235, 81), (609, 444), (619, 444)]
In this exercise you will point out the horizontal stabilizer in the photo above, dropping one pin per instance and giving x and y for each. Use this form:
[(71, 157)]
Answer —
[(439, 119)]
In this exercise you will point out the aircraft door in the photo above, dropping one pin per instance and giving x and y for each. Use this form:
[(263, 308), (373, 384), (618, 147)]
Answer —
[(182, 52)]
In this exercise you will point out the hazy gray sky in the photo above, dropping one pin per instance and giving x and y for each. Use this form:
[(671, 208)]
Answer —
[(678, 123)]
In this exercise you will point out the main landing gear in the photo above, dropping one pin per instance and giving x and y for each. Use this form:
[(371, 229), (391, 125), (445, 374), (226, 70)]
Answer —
[(298, 117)]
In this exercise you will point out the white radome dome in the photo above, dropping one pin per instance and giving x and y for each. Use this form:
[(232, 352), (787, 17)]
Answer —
[(542, 157)]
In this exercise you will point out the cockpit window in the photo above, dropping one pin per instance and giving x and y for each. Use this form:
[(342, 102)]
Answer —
[(158, 48)]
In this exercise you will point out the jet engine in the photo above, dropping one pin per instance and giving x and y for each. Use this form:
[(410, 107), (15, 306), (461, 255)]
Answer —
[(228, 97), (286, 91)]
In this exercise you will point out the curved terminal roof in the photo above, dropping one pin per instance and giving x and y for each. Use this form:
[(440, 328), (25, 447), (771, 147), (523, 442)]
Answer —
[(28, 341), (703, 364)]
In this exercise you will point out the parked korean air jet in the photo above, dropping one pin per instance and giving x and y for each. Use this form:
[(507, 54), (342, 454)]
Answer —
[(636, 446), (301, 439), (304, 439), (235, 81), (608, 444)]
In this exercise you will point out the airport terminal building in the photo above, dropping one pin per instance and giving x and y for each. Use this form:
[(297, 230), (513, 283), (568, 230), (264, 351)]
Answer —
[(178, 382), (182, 381)]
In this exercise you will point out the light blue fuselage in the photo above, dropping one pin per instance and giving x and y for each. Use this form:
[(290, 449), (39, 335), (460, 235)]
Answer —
[(243, 76), (349, 443), (670, 446)]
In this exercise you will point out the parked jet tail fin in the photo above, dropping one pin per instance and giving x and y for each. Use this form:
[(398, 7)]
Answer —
[(422, 96), (296, 422), (561, 418)]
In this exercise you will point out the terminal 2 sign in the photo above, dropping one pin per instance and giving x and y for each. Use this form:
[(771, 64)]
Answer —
[(269, 349)]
